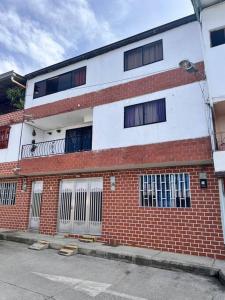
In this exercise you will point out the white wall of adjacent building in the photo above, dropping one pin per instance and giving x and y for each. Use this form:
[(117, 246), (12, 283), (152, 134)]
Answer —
[(213, 18), (108, 69)]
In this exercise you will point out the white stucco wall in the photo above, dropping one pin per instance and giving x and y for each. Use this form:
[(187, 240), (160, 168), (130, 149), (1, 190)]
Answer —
[(214, 18), (107, 69), (11, 153), (219, 161), (185, 114)]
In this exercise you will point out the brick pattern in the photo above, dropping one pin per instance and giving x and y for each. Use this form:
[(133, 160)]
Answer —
[(7, 169), (149, 84), (11, 118), (170, 153), (196, 230), (16, 216)]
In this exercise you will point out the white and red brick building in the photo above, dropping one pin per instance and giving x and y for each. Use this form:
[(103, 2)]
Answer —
[(119, 142)]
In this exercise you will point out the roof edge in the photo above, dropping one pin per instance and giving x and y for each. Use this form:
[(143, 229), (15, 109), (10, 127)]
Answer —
[(113, 46)]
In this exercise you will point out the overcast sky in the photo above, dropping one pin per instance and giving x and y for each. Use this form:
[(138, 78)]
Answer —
[(38, 33)]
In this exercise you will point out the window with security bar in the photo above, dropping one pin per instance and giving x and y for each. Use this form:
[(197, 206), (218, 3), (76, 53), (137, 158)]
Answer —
[(7, 193), (165, 190)]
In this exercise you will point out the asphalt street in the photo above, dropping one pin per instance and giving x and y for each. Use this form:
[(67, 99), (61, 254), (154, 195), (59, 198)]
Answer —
[(38, 275)]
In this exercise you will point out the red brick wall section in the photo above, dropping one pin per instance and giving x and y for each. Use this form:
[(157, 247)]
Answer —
[(11, 118), (16, 216), (196, 230), (168, 152), (7, 169), (149, 84), (49, 207)]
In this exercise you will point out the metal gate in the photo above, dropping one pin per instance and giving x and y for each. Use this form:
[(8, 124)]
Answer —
[(35, 208), (80, 209)]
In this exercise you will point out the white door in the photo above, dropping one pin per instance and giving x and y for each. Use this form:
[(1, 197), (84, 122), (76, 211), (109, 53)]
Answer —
[(80, 210), (35, 208)]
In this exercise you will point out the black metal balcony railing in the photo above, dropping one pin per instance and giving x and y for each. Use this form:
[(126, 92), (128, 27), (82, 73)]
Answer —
[(220, 140), (44, 148)]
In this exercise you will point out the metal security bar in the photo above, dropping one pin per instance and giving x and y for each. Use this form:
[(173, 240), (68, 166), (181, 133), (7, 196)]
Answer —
[(7, 193), (80, 205), (36, 205), (95, 215), (165, 190), (80, 208), (65, 206)]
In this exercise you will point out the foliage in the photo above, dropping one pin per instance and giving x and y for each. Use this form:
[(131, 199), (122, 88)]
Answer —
[(16, 96)]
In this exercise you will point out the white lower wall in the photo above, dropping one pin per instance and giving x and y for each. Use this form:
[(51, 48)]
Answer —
[(185, 113)]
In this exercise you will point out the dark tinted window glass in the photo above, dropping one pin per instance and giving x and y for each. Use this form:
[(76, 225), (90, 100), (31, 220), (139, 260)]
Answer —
[(144, 55), (40, 89), (217, 37), (79, 139), (133, 59), (60, 83), (52, 85), (152, 52), (79, 77), (145, 113), (65, 81)]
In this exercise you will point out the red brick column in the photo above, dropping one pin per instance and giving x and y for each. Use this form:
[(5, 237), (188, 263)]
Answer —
[(49, 206)]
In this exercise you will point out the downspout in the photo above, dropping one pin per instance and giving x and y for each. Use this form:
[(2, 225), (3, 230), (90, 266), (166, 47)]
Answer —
[(18, 83)]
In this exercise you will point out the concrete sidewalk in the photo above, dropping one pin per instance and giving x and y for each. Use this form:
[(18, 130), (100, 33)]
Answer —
[(146, 257)]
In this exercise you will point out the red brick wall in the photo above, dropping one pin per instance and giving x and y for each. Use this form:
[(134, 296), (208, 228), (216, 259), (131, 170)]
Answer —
[(196, 230), (176, 152), (7, 169), (16, 216), (149, 84)]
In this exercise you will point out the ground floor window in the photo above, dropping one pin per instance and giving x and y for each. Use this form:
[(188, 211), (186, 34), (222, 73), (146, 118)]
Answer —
[(165, 190), (7, 193)]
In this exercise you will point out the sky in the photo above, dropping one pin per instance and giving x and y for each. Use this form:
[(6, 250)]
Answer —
[(38, 33)]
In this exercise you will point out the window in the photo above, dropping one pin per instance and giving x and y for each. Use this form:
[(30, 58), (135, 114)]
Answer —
[(217, 37), (7, 193), (4, 136), (79, 139), (60, 83), (144, 55), (165, 190), (145, 113)]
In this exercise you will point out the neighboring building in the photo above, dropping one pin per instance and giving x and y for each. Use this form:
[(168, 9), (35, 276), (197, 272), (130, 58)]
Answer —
[(117, 142)]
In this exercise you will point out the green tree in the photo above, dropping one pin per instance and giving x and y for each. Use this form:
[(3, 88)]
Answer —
[(16, 96)]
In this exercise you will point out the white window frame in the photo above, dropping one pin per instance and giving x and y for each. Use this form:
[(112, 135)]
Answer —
[(8, 192), (178, 187)]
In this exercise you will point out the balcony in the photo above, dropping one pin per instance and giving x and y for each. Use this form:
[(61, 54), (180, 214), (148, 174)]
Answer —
[(77, 140)]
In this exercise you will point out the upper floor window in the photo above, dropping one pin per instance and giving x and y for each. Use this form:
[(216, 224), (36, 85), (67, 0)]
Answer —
[(60, 83), (145, 113), (217, 37), (4, 136), (143, 55)]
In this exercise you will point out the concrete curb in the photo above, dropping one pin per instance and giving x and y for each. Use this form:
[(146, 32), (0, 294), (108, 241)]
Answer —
[(130, 258)]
